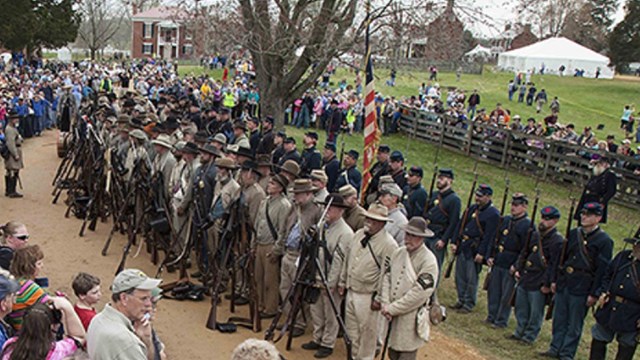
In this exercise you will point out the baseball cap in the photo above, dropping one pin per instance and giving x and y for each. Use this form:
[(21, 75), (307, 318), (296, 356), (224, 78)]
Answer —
[(8, 286), (129, 279)]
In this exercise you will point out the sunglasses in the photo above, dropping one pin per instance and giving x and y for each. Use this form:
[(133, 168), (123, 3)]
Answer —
[(22, 237)]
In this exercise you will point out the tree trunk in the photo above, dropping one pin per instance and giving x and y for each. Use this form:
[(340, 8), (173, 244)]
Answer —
[(274, 105), (93, 53)]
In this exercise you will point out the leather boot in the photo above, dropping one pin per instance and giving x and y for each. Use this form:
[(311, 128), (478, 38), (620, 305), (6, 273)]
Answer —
[(13, 193), (7, 182), (598, 350), (625, 352)]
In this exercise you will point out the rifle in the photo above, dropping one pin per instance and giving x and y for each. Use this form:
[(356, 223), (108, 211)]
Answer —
[(434, 177), (227, 237), (505, 196), (532, 229), (447, 273), (549, 314), (342, 151)]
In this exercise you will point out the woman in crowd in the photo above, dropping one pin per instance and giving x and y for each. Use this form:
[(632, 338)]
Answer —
[(26, 265), (13, 236)]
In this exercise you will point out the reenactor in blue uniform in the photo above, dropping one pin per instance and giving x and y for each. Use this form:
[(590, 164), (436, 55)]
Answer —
[(619, 312), (501, 256), (396, 169), (265, 143), (379, 169), (578, 280), (311, 157), (478, 231), (278, 149), (350, 174), (600, 188), (534, 270), (415, 194), (443, 215), (331, 166), (290, 151)]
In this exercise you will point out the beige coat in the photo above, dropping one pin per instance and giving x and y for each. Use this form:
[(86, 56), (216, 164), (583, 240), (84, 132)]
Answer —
[(407, 285), (14, 144), (279, 209), (253, 196), (338, 236), (164, 164), (355, 217)]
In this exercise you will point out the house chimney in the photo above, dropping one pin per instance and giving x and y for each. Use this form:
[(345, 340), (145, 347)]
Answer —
[(527, 28), (134, 8), (450, 4), (507, 27)]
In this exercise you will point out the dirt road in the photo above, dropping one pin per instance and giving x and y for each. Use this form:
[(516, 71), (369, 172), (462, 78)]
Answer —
[(181, 325)]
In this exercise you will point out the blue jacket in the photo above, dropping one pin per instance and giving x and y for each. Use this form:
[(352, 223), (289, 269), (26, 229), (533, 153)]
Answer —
[(415, 200), (444, 214), (332, 169), (350, 176), (536, 262), (480, 226), (512, 238)]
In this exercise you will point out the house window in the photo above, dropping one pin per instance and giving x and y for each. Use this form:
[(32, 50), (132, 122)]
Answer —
[(147, 48), (187, 49), (147, 31), (187, 36)]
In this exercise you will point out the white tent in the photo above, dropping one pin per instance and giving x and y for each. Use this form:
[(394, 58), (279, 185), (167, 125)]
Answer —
[(553, 53), (479, 52)]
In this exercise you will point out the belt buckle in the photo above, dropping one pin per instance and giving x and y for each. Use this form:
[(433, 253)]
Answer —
[(500, 248), (465, 237), (569, 270), (529, 263)]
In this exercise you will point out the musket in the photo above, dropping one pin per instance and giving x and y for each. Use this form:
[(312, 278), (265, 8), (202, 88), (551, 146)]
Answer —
[(447, 273), (434, 177), (549, 314), (532, 229)]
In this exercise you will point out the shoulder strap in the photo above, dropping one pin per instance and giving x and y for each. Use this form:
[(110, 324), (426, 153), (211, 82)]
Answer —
[(477, 219), (375, 259), (272, 228)]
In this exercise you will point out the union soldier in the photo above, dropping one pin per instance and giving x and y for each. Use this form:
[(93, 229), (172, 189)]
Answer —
[(335, 237), (291, 153), (478, 233), (600, 188), (304, 215), (396, 169), (266, 143), (278, 149), (319, 181), (577, 282), (14, 163), (349, 174), (378, 169), (354, 215), (164, 162), (331, 165), (239, 136), (408, 282), (360, 279), (253, 126), (443, 215), (501, 258), (619, 313), (270, 226), (416, 195), (311, 158), (534, 269), (390, 195)]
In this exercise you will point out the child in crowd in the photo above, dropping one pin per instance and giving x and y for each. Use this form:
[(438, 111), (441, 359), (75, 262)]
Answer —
[(87, 289)]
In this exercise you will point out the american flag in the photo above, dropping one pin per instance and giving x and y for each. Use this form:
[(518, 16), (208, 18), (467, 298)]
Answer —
[(371, 131)]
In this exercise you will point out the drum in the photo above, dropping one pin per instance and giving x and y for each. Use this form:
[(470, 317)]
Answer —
[(61, 146)]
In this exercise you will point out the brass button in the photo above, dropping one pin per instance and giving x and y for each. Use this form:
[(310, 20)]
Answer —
[(436, 202), (535, 248), (465, 237), (569, 270), (529, 264), (501, 248), (505, 232)]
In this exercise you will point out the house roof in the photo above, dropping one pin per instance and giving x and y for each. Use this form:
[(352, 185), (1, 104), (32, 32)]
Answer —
[(557, 48), (161, 13)]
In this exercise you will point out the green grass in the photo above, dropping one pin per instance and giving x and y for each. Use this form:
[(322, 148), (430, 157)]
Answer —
[(470, 328)]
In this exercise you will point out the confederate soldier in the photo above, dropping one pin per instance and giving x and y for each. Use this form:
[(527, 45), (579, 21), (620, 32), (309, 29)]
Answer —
[(443, 215), (14, 162), (533, 273), (181, 194), (252, 193), (478, 231), (173, 129), (416, 195), (501, 256), (67, 110), (219, 141), (137, 153), (264, 167), (240, 138), (350, 175), (270, 226), (204, 181), (360, 279), (396, 169), (335, 237), (304, 215), (577, 283), (619, 312), (164, 161), (390, 195), (354, 215), (600, 188), (225, 193), (319, 181), (408, 282), (266, 144), (311, 158), (331, 166), (291, 153), (380, 168)]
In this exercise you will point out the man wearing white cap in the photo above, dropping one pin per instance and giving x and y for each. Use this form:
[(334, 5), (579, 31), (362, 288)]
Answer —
[(164, 162), (122, 330)]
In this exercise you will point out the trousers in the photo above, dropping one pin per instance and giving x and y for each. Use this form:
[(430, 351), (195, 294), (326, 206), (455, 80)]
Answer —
[(267, 279), (467, 273), (325, 322), (529, 313), (568, 320), (287, 280), (362, 325), (499, 296)]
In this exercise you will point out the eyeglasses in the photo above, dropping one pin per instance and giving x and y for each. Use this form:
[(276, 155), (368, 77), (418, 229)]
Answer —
[(22, 237)]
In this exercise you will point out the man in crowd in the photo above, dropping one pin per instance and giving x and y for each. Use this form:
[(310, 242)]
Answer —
[(319, 181), (390, 195), (416, 195), (331, 165), (443, 215), (396, 169), (311, 157), (122, 330), (291, 153), (354, 215), (350, 175), (600, 188), (379, 169)]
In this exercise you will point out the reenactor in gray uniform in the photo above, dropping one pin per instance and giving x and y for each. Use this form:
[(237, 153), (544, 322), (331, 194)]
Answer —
[(240, 138), (264, 167), (390, 196), (14, 163), (335, 239), (181, 194), (270, 226), (408, 282), (355, 214), (164, 162), (225, 192), (370, 249), (319, 181), (304, 215)]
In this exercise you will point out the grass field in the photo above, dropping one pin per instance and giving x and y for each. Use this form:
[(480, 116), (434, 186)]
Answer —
[(584, 102)]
